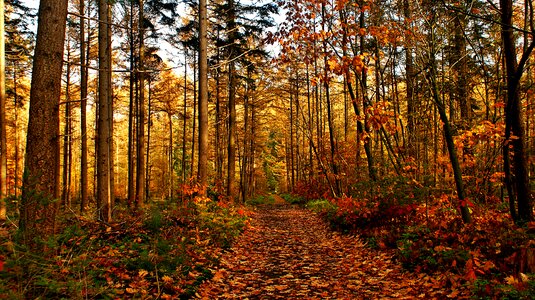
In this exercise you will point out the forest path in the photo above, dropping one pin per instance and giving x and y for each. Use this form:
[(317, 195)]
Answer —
[(290, 253)]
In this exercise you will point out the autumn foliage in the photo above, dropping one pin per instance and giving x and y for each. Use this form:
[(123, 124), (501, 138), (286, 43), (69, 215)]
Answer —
[(492, 256)]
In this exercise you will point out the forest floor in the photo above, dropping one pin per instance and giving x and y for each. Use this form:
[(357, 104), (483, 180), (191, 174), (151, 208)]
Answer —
[(289, 252)]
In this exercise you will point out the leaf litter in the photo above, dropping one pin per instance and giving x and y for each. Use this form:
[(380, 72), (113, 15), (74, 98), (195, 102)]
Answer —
[(289, 252)]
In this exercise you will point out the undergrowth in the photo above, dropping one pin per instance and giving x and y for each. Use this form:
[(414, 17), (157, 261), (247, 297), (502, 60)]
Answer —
[(166, 252), (260, 200), (492, 256)]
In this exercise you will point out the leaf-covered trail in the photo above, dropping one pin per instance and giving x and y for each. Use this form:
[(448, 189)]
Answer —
[(290, 253)]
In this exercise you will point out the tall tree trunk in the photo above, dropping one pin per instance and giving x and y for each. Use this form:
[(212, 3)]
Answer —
[(245, 158), (140, 174), (448, 133), (231, 167), (147, 151), (3, 143), (41, 183), (514, 153), (326, 86), (202, 172), (218, 120), (171, 187), (83, 109), (194, 115), (310, 125), (104, 193), (67, 154), (409, 80), (231, 163), (131, 114), (185, 113), (291, 145), (17, 139), (372, 171), (111, 161)]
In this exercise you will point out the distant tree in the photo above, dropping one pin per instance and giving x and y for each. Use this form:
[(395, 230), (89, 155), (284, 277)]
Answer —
[(242, 23)]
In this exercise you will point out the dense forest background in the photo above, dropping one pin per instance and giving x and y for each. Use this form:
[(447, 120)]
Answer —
[(389, 110)]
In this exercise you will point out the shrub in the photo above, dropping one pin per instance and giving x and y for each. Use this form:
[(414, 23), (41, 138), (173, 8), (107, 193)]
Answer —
[(293, 198)]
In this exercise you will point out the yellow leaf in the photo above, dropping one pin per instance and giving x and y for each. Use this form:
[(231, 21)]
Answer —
[(510, 280), (142, 273), (218, 276), (167, 279)]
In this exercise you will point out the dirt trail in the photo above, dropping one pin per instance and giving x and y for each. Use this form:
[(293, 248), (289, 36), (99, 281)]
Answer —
[(290, 253)]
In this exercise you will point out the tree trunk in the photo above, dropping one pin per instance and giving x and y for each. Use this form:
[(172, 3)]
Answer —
[(140, 174), (185, 113), (3, 143), (41, 183), (514, 153), (202, 172), (67, 154), (131, 114), (232, 37), (409, 79), (111, 161), (83, 109), (147, 151), (231, 167), (245, 157), (171, 188), (365, 104), (291, 145), (330, 124), (218, 120), (193, 116), (448, 134), (17, 143), (104, 192)]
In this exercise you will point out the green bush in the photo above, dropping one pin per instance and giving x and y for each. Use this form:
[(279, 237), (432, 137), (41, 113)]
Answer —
[(321, 206), (222, 223), (260, 200), (293, 199)]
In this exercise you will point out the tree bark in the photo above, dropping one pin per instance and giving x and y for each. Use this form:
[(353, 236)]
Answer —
[(140, 169), (514, 152), (83, 109), (448, 134), (67, 153), (326, 86), (104, 193), (148, 149), (231, 163), (41, 183), (184, 114), (131, 114), (409, 80), (3, 140), (231, 167), (202, 172)]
